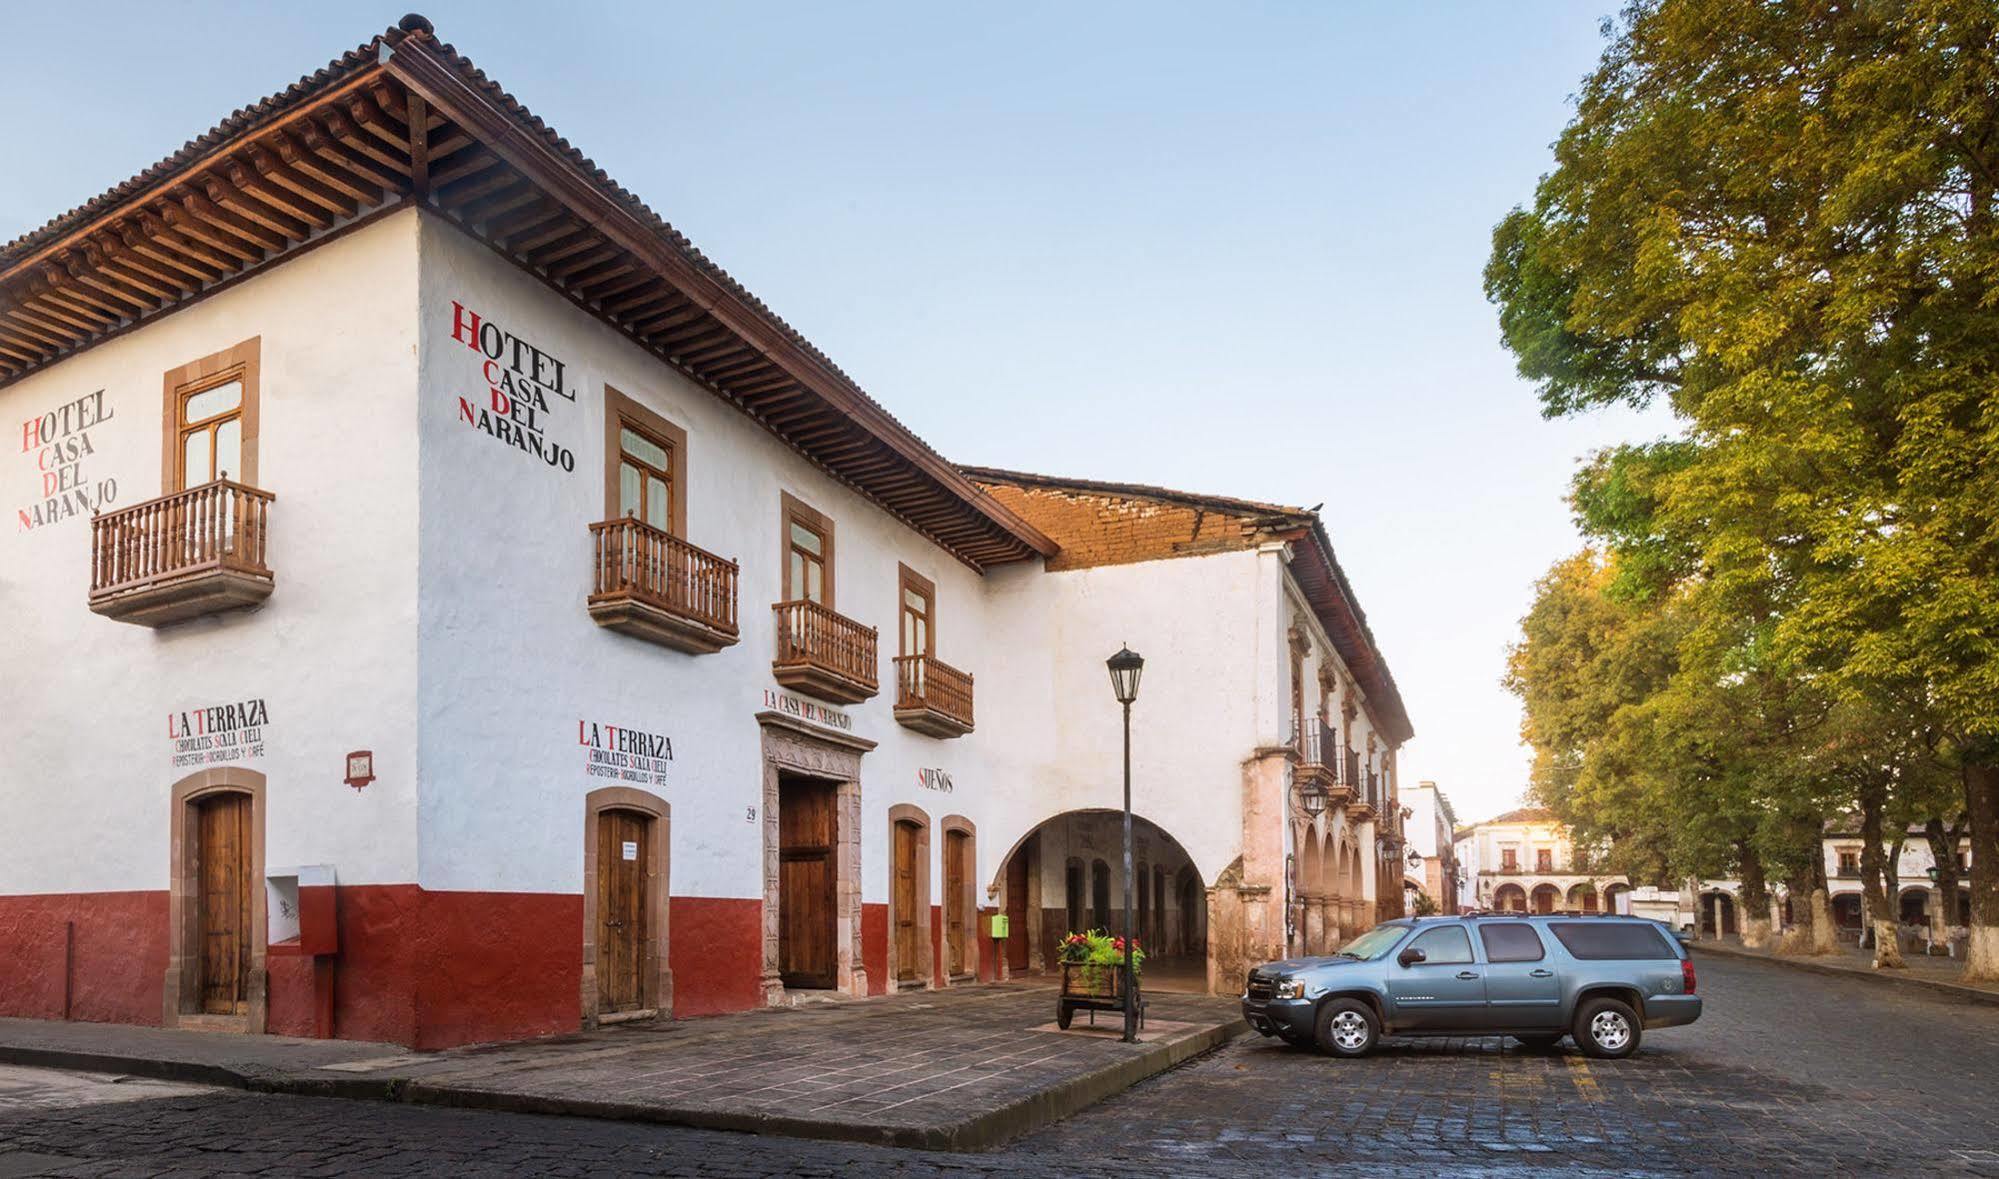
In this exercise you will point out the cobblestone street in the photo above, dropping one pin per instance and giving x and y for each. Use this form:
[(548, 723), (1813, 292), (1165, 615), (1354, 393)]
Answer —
[(1788, 1072)]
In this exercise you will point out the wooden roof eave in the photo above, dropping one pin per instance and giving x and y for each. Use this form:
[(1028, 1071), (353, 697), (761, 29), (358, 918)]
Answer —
[(31, 262), (419, 66)]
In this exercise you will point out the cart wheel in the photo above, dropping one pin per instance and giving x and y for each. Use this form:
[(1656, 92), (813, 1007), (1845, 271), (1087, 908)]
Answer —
[(1063, 1015)]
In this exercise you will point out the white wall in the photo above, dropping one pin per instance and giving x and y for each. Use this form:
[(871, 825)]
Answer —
[(86, 763)]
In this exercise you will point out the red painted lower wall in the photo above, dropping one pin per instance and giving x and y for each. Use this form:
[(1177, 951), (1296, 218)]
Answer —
[(425, 969), (115, 968), (715, 948), (874, 946)]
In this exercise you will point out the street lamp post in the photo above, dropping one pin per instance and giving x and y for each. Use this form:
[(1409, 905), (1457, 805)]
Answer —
[(1125, 667)]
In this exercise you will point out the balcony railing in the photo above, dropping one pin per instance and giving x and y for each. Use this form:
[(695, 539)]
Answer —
[(1319, 754), (932, 697), (190, 553), (824, 654), (655, 586)]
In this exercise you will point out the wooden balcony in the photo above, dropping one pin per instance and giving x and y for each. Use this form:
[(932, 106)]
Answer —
[(824, 654), (199, 551), (655, 586), (932, 697)]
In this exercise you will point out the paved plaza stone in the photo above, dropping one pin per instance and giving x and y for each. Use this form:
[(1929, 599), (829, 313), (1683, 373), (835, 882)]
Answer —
[(1788, 1073), (959, 1069)]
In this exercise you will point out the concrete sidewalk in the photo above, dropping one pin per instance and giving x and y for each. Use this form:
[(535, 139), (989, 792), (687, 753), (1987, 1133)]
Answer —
[(1938, 975), (963, 1069)]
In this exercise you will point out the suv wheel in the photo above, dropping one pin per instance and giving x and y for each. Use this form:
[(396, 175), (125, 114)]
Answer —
[(1607, 1029), (1347, 1027)]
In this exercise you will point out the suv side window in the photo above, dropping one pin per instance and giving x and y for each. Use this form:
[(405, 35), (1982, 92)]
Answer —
[(1511, 942), (1444, 945), (1594, 941)]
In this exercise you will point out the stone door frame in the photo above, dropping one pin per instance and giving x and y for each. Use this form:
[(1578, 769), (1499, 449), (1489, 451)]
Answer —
[(181, 998), (656, 976), (968, 897), (794, 746), (926, 953)]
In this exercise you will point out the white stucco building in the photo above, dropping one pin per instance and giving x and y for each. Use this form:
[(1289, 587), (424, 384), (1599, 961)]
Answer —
[(1430, 865), (448, 607)]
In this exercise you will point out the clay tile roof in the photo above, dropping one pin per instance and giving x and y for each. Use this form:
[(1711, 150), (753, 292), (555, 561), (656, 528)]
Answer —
[(1525, 814), (972, 524)]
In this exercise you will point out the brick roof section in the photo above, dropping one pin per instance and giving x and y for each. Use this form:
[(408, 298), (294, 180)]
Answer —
[(1104, 523)]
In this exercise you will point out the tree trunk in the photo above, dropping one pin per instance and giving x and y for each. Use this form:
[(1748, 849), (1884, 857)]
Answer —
[(1798, 938), (1753, 898), (1981, 797), (1943, 852), (1873, 871)]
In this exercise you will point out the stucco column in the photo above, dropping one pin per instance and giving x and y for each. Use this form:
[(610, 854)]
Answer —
[(1315, 924), (1265, 779), (1329, 925)]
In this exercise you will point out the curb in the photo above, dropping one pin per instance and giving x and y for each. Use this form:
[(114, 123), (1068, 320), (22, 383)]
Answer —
[(1884, 978), (981, 1132)]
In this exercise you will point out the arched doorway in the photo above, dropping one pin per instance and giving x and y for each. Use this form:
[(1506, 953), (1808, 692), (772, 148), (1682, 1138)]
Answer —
[(909, 963), (1717, 915), (1582, 897), (1915, 906), (1192, 931), (1846, 908), (1545, 897), (1168, 905), (216, 902), (1100, 895), (961, 909), (1509, 898), (625, 889), (1616, 897)]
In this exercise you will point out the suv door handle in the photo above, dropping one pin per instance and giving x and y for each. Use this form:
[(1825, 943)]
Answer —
[(1467, 974), (1540, 974)]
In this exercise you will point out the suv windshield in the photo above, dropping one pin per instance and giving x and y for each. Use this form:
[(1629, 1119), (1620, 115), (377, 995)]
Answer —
[(1374, 943)]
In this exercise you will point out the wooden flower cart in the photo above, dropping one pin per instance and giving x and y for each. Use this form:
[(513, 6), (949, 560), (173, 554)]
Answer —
[(1094, 988)]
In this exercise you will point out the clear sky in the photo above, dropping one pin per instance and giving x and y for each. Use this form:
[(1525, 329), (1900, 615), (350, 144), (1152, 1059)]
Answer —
[(1231, 248)]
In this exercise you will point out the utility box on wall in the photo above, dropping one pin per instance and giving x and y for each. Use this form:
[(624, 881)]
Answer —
[(301, 909)]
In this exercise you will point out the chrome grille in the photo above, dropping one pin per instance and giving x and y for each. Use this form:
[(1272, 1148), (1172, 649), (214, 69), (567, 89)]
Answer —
[(1261, 988)]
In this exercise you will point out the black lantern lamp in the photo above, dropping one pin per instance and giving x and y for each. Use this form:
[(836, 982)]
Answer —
[(1125, 668), (1313, 798)]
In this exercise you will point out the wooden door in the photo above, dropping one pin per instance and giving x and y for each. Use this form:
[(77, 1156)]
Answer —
[(1016, 908), (906, 966), (222, 870), (805, 880), (957, 878), (624, 849)]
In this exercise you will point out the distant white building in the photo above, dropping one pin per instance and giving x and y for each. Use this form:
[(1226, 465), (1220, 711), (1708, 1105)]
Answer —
[(1431, 865), (1524, 862)]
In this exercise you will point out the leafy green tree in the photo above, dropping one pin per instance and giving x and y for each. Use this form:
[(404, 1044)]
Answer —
[(1781, 218)]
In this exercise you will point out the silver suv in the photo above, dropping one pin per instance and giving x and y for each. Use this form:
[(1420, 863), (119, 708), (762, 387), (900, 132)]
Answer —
[(1603, 980)]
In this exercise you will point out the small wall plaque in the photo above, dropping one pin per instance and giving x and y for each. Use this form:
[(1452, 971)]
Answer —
[(360, 768)]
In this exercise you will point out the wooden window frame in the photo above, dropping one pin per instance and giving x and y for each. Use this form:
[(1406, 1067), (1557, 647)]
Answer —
[(243, 362), (908, 580), (621, 410), (797, 511)]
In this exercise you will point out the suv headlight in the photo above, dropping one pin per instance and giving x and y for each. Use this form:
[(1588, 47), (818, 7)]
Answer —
[(1290, 988)]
